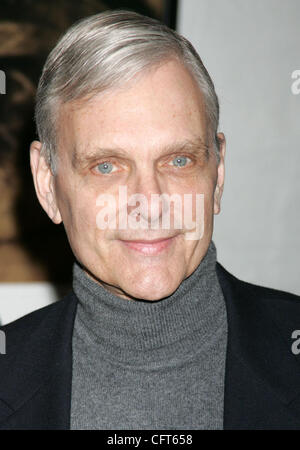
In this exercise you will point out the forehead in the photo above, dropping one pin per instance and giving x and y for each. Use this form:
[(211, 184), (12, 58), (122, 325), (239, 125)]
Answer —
[(163, 106)]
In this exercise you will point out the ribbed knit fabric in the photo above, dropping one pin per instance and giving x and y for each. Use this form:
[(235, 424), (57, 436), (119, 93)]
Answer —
[(150, 365)]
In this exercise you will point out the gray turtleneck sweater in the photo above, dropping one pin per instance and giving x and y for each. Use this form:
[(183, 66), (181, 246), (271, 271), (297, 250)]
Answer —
[(150, 365)]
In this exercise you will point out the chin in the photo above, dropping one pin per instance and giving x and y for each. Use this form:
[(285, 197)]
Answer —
[(152, 284), (152, 294)]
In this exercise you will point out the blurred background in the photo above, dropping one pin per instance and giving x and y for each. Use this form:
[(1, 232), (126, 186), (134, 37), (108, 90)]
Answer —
[(251, 49)]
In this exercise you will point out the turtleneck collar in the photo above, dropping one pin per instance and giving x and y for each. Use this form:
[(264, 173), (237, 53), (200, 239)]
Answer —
[(139, 332)]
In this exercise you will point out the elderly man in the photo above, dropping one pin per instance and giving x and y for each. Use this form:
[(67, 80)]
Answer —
[(155, 333)]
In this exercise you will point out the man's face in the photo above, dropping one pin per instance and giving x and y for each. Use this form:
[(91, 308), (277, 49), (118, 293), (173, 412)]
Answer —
[(147, 138)]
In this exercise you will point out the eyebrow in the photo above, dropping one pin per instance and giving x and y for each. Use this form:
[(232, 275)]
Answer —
[(196, 146)]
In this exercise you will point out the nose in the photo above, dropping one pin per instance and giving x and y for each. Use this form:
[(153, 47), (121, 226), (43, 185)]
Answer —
[(145, 193)]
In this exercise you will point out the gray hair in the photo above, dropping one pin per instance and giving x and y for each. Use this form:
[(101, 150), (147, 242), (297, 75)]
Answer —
[(104, 51)]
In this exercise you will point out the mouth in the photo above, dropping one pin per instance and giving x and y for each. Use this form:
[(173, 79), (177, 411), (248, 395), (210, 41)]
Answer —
[(149, 247)]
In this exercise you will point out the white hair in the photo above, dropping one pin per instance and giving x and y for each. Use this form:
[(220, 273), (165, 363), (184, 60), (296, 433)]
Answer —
[(105, 51)]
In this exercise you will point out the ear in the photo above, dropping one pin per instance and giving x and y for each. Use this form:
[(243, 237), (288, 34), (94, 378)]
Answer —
[(43, 180), (221, 174)]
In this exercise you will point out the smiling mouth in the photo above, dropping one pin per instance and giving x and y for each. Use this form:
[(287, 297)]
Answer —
[(149, 247)]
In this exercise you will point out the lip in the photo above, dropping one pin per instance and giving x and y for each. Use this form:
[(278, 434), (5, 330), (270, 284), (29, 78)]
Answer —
[(149, 247)]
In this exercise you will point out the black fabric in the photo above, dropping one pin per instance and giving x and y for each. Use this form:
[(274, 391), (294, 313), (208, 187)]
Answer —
[(262, 382)]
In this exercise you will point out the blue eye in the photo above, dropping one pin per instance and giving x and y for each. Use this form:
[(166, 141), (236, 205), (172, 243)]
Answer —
[(180, 161), (105, 167)]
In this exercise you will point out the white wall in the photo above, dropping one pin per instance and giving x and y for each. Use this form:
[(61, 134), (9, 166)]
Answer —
[(250, 49), (19, 299)]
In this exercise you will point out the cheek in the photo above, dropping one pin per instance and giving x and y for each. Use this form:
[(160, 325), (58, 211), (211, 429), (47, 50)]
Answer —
[(204, 187), (76, 202), (209, 199), (79, 217), (203, 212)]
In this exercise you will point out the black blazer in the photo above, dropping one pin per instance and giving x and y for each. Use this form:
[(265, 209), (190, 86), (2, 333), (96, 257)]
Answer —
[(262, 378)]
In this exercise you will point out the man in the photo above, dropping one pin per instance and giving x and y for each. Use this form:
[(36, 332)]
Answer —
[(155, 333)]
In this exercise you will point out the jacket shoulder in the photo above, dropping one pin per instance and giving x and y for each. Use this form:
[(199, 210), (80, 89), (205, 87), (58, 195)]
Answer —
[(254, 302), (46, 317), (255, 291), (35, 368)]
